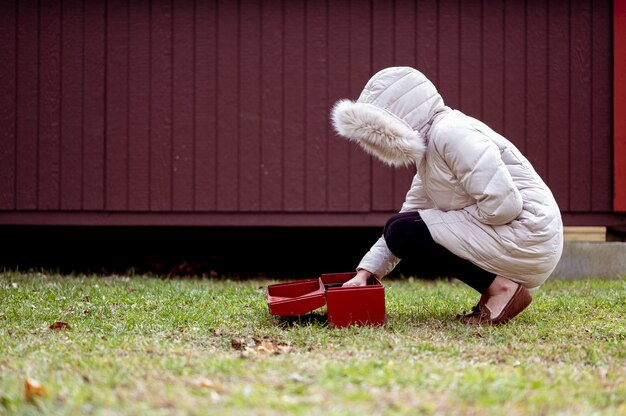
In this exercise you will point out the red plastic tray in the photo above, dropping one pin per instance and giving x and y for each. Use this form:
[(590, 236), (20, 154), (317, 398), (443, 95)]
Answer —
[(363, 305), (295, 298)]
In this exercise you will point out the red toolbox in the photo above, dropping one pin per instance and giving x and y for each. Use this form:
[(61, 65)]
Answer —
[(362, 305)]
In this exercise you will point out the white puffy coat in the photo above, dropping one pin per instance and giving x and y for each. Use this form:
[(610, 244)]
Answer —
[(478, 195)]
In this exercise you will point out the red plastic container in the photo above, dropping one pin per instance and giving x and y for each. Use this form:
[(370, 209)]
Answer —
[(363, 305)]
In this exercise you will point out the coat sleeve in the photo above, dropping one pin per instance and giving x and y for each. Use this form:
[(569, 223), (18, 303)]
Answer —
[(475, 160), (379, 260)]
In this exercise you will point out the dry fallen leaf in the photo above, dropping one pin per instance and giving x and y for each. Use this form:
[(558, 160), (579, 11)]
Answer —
[(207, 383), (273, 347), (33, 388), (236, 344), (57, 326), (266, 347)]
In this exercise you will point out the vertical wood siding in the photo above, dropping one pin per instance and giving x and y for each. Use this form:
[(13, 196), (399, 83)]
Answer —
[(222, 106), (619, 100)]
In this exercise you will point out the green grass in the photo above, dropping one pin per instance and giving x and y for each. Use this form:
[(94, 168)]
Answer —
[(139, 345)]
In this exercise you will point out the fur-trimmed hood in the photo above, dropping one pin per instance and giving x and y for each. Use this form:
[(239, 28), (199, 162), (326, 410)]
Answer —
[(396, 104)]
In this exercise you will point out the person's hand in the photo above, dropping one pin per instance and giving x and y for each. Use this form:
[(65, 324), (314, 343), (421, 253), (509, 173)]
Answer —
[(359, 280)]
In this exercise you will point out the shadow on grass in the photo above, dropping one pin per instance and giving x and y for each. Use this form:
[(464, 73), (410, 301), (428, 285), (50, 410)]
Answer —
[(396, 319), (393, 322), (302, 320)]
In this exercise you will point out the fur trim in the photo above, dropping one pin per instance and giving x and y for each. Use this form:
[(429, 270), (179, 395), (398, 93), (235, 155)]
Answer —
[(378, 132)]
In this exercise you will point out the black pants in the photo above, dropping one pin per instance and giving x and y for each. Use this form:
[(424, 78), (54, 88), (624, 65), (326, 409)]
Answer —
[(407, 237)]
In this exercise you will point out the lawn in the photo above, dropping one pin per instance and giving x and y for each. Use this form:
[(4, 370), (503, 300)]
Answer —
[(139, 345)]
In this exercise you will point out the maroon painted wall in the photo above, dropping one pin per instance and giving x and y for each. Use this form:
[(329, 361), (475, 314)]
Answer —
[(216, 113), (619, 104)]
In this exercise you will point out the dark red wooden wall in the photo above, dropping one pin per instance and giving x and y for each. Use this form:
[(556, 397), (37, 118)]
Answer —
[(216, 112), (619, 103)]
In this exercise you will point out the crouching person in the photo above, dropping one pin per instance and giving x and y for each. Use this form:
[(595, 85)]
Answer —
[(476, 205)]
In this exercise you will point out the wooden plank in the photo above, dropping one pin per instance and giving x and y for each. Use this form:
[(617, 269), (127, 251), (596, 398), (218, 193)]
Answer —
[(427, 30), (584, 234), (619, 105), (316, 157), (558, 103), (250, 85), (360, 183), (515, 82), (338, 87), (116, 140), (405, 55), (71, 106), (139, 106), (448, 61), (295, 98), (537, 89), (427, 34), (205, 111), (199, 219), (8, 104), (272, 116), (580, 106), (404, 33), (161, 106), (382, 57), (183, 97), (492, 28), (470, 59), (94, 97), (49, 106), (602, 89), (227, 106), (239, 219), (383, 48)]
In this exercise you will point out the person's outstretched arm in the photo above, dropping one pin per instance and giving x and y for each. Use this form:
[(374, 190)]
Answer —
[(379, 261)]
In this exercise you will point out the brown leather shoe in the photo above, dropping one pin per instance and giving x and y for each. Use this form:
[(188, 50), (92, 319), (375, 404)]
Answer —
[(518, 302), (476, 310)]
